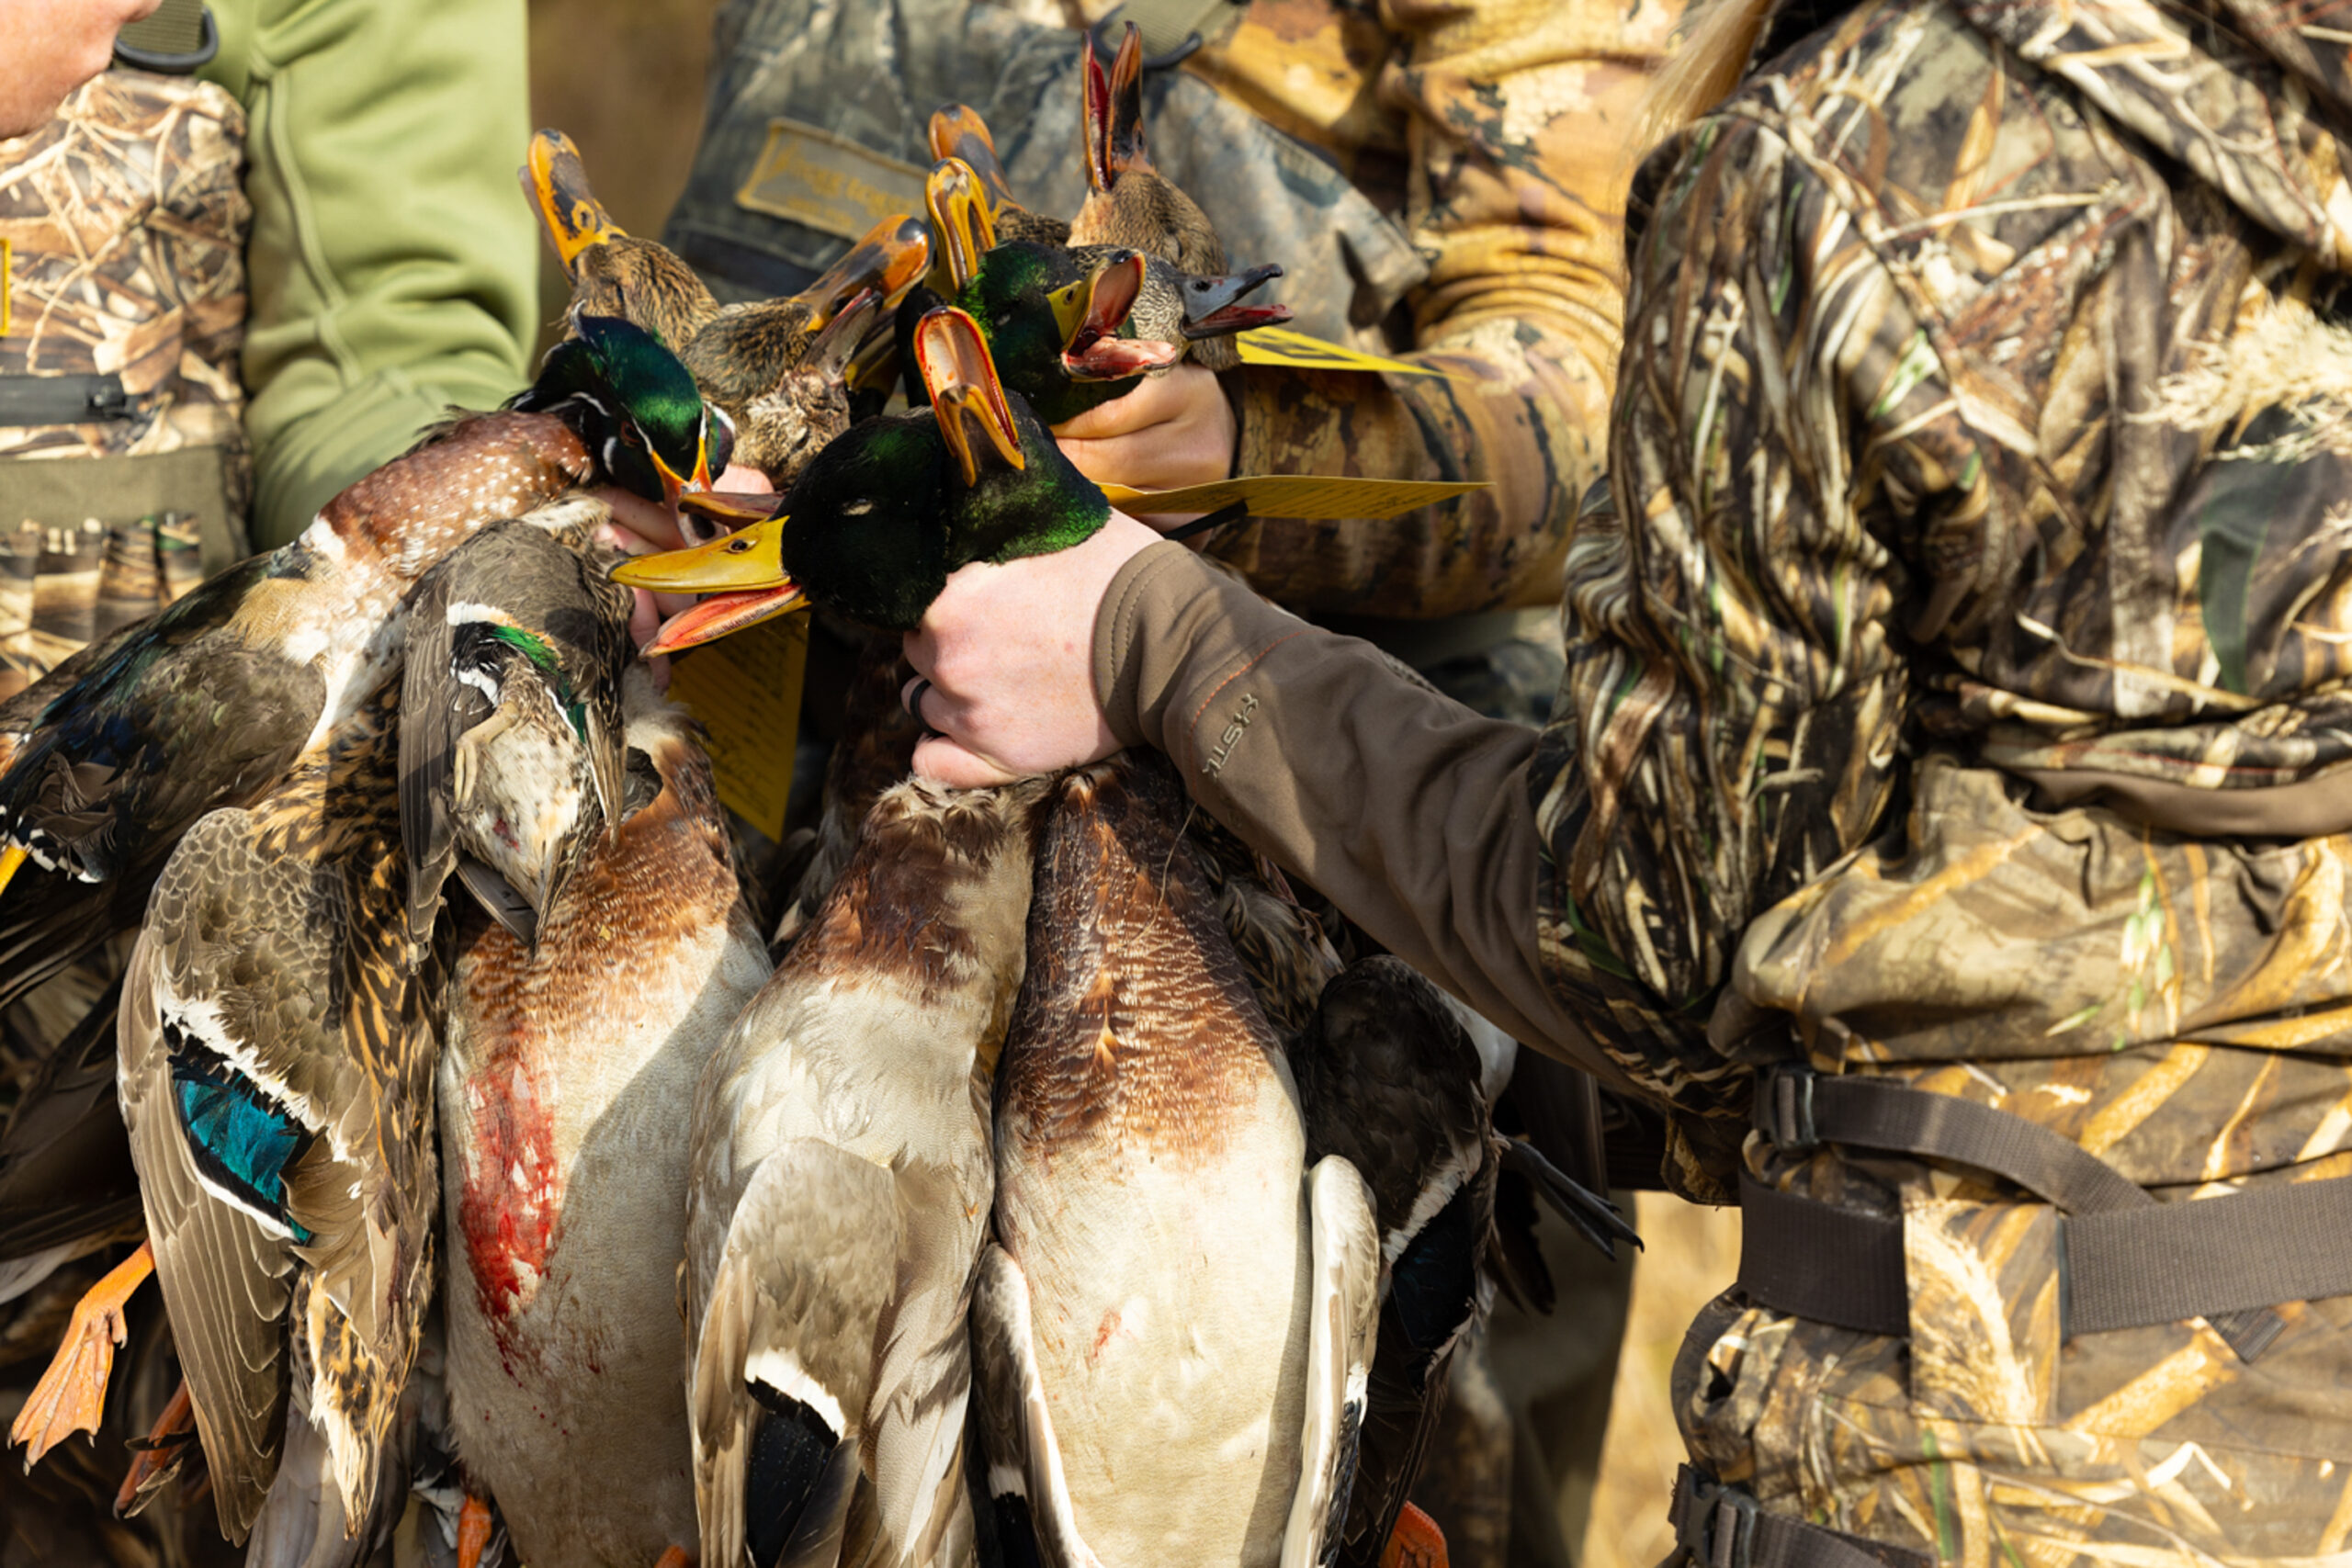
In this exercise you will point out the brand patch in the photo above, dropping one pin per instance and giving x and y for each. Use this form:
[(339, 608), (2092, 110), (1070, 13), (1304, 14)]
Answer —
[(828, 182), (1234, 728)]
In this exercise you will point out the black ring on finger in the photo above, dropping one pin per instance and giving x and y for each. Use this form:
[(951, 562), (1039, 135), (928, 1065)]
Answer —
[(913, 700)]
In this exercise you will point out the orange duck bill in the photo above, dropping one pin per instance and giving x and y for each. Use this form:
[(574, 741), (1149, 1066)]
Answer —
[(891, 259), (556, 184), (967, 398), (723, 615)]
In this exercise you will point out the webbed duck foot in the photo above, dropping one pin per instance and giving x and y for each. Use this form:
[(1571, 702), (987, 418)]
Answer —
[(676, 1557), (71, 1396), (475, 1523), (156, 1457), (1415, 1542)]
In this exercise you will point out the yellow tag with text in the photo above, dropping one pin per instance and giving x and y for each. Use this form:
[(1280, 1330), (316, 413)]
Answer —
[(1280, 345), (1314, 497), (745, 692), (828, 182)]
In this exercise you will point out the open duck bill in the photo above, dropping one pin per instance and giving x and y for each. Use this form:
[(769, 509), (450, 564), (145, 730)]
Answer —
[(1115, 112), (555, 182), (966, 398), (891, 259), (1212, 306), (1090, 313), (962, 228), (958, 132), (750, 560), (722, 614), (833, 351)]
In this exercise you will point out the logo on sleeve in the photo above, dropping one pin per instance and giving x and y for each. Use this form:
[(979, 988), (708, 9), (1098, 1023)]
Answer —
[(1239, 722)]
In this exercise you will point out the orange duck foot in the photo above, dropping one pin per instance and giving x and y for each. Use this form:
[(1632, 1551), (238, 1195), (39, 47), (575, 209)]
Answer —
[(676, 1557), (71, 1396), (473, 1531), (156, 1457), (1415, 1543)]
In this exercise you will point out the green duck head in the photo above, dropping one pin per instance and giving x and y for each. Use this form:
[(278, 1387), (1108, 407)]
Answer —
[(873, 526), (636, 406)]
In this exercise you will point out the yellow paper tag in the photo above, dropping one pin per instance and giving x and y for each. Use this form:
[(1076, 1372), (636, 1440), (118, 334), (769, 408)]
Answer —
[(828, 182), (1314, 497), (745, 691), (1280, 345)]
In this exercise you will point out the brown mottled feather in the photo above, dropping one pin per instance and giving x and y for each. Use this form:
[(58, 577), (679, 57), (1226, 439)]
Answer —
[(875, 750)]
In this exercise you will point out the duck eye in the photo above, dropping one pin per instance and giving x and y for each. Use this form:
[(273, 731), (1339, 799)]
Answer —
[(737, 546), (858, 507)]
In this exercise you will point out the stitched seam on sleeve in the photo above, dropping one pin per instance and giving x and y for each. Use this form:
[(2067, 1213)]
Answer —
[(1249, 664)]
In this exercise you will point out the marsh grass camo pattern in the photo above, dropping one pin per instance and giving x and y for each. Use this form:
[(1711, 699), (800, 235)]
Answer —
[(1937, 695)]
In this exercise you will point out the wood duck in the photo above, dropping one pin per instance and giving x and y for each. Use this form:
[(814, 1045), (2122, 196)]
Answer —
[(109, 758), (840, 1195), (563, 1100)]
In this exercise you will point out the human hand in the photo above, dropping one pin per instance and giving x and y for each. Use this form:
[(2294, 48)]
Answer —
[(1004, 662), (1166, 433), (640, 527)]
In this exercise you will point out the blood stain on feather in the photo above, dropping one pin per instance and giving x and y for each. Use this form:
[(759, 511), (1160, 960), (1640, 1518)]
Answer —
[(513, 1190)]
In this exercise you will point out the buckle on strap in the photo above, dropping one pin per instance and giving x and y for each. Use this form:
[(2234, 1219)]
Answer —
[(1714, 1523), (1784, 1110)]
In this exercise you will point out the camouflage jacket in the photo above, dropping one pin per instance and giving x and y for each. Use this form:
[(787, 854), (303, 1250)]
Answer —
[(1446, 179), (1958, 693)]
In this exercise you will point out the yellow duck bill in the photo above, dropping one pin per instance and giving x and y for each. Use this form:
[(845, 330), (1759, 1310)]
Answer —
[(722, 614), (752, 560)]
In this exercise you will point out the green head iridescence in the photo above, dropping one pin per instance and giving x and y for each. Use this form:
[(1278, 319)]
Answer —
[(654, 388), (535, 649)]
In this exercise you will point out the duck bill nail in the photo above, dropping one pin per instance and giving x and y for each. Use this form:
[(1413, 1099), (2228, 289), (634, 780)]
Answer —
[(556, 183), (721, 615), (1206, 296), (906, 257), (1116, 358), (750, 560), (1238, 319), (961, 228)]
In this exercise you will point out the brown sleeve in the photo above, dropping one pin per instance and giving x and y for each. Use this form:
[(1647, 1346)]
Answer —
[(1407, 809)]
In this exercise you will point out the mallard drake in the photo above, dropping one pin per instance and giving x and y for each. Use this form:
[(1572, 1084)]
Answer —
[(109, 758), (276, 1080), (840, 1195), (892, 507), (511, 748), (563, 1096), (1174, 1327), (774, 364), (1394, 1079)]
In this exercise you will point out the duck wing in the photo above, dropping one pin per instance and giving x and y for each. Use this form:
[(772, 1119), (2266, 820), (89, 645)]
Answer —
[(1027, 1493), (1346, 1303)]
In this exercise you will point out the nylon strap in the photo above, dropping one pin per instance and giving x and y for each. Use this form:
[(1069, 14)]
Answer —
[(1797, 1108), (1725, 1526)]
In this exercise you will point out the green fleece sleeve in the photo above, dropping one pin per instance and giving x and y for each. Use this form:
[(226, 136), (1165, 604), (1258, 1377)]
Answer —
[(392, 260)]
